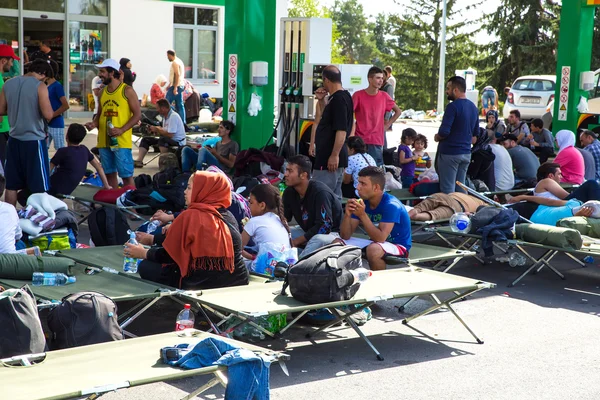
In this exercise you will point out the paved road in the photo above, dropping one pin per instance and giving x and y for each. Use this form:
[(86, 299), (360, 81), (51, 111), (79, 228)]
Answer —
[(541, 342)]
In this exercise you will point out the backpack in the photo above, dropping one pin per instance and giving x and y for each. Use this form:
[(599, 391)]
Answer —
[(142, 181), (84, 318), (246, 181), (324, 275), (108, 227), (20, 327)]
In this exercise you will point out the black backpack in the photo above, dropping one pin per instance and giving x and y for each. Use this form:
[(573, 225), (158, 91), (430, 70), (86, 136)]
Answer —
[(20, 327), (84, 318), (108, 227), (246, 181), (324, 275)]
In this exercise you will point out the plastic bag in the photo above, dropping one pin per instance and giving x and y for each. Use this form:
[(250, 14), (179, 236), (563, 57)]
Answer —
[(255, 105), (269, 254), (429, 175), (391, 183)]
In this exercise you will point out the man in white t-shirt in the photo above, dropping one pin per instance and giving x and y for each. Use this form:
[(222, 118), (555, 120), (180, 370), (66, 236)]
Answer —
[(172, 133), (97, 87), (503, 167), (10, 230), (176, 86)]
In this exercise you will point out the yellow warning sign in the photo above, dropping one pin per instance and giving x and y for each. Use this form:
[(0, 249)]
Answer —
[(231, 108), (562, 107)]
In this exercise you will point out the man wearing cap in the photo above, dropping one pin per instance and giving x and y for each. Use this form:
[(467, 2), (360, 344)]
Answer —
[(524, 160), (589, 142), (7, 56), (118, 112), (25, 100)]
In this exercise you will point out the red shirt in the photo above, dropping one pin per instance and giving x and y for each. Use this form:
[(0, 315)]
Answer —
[(156, 93), (369, 112)]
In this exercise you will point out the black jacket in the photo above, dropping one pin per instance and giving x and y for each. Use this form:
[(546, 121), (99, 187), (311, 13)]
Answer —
[(319, 212)]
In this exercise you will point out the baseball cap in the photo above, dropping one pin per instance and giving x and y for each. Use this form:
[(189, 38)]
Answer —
[(591, 133), (7, 51), (509, 136), (109, 63)]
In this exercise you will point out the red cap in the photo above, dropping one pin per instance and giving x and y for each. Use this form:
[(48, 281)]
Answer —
[(7, 51), (187, 306)]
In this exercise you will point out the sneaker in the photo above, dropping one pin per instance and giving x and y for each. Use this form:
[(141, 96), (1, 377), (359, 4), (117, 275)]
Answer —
[(360, 318)]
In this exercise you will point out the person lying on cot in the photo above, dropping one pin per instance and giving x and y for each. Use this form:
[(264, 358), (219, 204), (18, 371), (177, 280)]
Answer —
[(203, 247), (550, 202), (382, 216), (440, 206)]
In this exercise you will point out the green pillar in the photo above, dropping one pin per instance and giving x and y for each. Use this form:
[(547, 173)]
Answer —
[(574, 51), (250, 32)]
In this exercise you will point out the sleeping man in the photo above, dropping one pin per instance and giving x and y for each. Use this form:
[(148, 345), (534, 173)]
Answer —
[(382, 216)]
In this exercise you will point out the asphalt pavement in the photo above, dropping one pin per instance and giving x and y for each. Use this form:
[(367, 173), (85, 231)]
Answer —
[(540, 342)]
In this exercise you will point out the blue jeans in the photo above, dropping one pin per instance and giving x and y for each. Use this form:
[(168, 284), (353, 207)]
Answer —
[(451, 168), (178, 99), (189, 158), (589, 190), (248, 373), (376, 152), (407, 181)]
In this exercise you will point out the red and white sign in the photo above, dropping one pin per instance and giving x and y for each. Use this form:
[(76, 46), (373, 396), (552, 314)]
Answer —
[(232, 93), (564, 93)]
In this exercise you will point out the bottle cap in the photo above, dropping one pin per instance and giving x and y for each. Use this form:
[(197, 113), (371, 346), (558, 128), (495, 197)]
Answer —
[(187, 306), (71, 279)]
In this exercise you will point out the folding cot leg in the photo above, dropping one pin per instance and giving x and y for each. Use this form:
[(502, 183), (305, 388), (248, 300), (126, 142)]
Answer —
[(133, 318), (578, 261), (366, 339), (546, 263), (293, 322), (447, 304), (464, 245), (339, 318), (535, 265), (219, 379)]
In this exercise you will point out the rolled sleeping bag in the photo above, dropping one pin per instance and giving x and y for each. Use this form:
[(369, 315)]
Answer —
[(548, 235), (22, 267)]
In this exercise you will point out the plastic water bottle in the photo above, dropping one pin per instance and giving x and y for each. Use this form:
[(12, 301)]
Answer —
[(185, 319), (113, 141), (589, 259), (517, 260), (152, 226), (361, 274), (460, 222), (130, 264), (51, 279)]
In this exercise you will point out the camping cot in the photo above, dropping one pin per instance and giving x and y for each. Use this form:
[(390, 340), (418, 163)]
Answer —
[(248, 303), (469, 241), (84, 195), (90, 371), (118, 287)]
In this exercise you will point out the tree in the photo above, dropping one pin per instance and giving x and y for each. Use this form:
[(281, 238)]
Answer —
[(312, 8), (354, 40), (527, 32)]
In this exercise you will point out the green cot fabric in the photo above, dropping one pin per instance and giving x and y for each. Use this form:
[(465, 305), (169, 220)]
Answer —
[(585, 226), (106, 256), (115, 286), (20, 266), (563, 238)]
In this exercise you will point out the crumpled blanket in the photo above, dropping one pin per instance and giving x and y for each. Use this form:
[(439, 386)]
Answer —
[(45, 205)]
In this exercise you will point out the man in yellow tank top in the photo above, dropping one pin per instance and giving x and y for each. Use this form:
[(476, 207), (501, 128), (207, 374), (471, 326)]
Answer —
[(118, 111)]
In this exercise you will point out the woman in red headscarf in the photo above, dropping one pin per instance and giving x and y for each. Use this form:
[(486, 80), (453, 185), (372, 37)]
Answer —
[(203, 246)]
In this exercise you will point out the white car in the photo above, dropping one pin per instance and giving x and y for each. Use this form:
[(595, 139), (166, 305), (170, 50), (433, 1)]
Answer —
[(530, 95)]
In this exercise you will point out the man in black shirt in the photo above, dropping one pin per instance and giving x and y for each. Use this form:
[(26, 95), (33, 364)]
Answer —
[(334, 128), (312, 204)]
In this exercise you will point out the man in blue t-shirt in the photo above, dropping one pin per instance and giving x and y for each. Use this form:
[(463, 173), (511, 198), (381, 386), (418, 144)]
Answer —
[(459, 125), (383, 217)]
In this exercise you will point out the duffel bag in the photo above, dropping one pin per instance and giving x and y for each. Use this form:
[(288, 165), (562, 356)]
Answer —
[(324, 275), (20, 327)]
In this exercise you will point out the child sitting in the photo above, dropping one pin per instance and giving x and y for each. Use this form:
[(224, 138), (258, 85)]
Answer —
[(268, 224), (68, 166), (406, 157), (424, 161)]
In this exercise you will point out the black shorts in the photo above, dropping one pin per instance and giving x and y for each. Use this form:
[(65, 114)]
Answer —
[(27, 165)]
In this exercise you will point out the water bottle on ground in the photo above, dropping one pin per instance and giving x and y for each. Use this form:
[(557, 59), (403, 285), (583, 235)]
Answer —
[(185, 319), (51, 279), (517, 260), (113, 141), (361, 274), (152, 226), (130, 264), (460, 222)]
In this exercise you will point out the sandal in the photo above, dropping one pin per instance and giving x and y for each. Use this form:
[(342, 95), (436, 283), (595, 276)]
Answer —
[(138, 164)]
